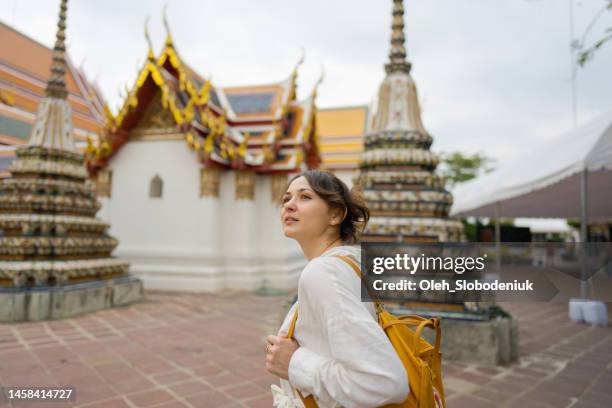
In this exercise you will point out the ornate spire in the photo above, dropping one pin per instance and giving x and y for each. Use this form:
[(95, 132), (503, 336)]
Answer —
[(319, 82), (300, 61), (407, 200), (57, 240), (56, 85), (167, 26), (150, 54), (397, 55)]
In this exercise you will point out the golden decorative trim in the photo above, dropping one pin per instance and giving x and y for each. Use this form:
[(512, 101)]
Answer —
[(156, 134), (278, 186), (104, 183), (245, 185), (209, 182)]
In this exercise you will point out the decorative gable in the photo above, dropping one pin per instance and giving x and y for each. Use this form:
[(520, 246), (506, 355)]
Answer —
[(155, 122)]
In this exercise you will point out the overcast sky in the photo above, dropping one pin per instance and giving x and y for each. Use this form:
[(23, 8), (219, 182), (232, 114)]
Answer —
[(492, 75)]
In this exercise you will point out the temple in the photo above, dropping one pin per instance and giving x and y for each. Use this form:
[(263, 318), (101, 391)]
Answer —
[(55, 255), (407, 200), (25, 66), (188, 173)]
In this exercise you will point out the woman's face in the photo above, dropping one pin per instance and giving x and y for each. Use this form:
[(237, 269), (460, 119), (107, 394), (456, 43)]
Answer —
[(304, 215)]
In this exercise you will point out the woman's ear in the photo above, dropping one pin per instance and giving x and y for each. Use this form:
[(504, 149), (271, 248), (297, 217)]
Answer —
[(337, 215)]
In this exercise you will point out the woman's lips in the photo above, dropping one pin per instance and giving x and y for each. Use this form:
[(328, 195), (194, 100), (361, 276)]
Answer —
[(290, 220)]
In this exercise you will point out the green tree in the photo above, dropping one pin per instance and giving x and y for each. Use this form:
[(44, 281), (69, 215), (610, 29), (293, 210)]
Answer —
[(458, 167), (585, 55)]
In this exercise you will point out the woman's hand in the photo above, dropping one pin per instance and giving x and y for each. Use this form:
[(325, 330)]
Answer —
[(279, 351)]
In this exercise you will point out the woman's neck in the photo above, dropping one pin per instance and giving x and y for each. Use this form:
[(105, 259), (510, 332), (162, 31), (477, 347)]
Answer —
[(316, 248)]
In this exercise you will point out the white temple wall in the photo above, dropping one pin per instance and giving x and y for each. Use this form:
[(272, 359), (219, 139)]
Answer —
[(166, 239), (182, 241), (237, 236)]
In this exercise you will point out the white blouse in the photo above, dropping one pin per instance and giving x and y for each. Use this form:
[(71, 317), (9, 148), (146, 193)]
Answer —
[(344, 359)]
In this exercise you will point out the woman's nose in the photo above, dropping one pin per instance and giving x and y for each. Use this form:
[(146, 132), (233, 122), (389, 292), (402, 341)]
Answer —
[(289, 205)]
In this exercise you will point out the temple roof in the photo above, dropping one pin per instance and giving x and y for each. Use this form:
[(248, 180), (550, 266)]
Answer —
[(260, 127), (25, 67), (341, 131)]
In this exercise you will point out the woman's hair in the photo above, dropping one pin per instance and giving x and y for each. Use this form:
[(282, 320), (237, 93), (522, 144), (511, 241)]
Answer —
[(338, 196)]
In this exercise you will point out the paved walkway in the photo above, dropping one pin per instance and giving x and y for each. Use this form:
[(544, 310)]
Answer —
[(188, 350)]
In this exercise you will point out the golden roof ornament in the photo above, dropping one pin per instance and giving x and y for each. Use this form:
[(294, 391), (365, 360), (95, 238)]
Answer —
[(300, 61), (190, 140), (319, 82), (204, 95), (169, 42), (150, 54), (208, 143), (110, 119), (89, 150), (242, 148)]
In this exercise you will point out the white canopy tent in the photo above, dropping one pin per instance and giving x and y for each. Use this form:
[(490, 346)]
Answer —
[(548, 181), (568, 177)]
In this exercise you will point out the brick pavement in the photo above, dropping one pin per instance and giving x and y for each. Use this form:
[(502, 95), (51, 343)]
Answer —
[(196, 350)]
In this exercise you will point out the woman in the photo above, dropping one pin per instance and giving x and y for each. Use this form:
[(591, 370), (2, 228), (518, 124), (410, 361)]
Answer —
[(340, 355)]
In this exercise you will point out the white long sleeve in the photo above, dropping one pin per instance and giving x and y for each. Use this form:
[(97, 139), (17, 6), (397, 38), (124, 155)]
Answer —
[(344, 359)]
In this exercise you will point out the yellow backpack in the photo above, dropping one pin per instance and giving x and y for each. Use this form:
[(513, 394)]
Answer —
[(423, 362)]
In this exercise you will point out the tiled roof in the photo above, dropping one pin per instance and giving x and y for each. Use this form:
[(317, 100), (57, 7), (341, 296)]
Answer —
[(217, 122)]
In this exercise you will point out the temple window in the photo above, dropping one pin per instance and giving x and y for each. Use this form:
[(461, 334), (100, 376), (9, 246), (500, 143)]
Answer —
[(156, 187)]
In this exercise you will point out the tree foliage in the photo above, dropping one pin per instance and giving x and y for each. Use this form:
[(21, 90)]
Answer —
[(587, 54), (459, 167)]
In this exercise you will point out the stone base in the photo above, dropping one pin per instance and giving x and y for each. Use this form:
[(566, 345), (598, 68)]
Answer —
[(492, 342), (61, 302), (488, 337)]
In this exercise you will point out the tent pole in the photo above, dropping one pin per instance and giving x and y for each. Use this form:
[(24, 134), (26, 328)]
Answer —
[(497, 236), (584, 219)]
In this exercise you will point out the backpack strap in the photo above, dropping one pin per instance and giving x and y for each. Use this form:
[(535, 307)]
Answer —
[(292, 325), (309, 401), (353, 264)]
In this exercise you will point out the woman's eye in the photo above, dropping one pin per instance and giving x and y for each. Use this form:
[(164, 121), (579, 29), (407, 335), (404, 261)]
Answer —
[(306, 197)]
